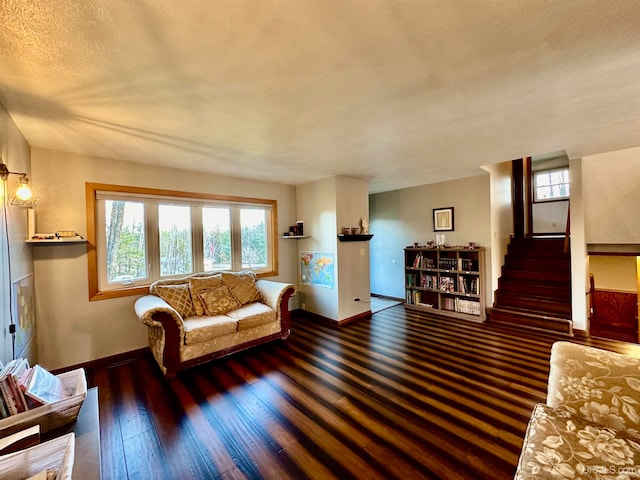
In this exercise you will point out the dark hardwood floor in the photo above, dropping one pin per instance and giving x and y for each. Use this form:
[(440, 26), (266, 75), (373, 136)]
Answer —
[(402, 395)]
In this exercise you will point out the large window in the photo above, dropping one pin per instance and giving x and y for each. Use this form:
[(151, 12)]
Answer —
[(142, 235), (549, 185)]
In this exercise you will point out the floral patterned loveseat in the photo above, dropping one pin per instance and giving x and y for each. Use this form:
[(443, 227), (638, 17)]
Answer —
[(203, 316), (590, 426)]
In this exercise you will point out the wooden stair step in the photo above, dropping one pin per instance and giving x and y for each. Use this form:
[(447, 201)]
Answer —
[(538, 264), (559, 277), (556, 243), (523, 252), (531, 320), (541, 289), (541, 305)]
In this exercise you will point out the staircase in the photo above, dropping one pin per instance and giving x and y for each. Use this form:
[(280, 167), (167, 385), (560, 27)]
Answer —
[(534, 290)]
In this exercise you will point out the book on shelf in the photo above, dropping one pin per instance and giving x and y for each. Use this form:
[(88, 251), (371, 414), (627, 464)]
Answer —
[(426, 305), (462, 287), (449, 303), (429, 281), (446, 284), (420, 261), (467, 306)]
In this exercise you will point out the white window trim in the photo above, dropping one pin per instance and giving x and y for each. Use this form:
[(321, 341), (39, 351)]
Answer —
[(98, 289), (535, 188)]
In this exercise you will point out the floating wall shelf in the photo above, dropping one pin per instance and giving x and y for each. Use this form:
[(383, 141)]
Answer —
[(295, 237), (57, 241), (355, 238)]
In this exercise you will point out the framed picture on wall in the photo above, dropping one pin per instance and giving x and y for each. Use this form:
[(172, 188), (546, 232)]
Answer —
[(443, 219)]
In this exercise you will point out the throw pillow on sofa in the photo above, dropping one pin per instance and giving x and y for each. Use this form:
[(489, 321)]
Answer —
[(179, 297), (243, 286), (197, 284), (218, 300)]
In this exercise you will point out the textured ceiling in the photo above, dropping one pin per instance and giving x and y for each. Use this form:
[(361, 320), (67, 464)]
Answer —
[(399, 92)]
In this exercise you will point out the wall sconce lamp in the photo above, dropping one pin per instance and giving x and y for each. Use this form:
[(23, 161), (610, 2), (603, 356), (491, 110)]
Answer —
[(22, 194)]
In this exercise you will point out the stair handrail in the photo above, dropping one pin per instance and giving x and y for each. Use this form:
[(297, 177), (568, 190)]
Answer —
[(567, 230)]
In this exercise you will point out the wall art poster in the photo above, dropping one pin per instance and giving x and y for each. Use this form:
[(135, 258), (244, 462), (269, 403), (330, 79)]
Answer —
[(317, 269), (24, 312)]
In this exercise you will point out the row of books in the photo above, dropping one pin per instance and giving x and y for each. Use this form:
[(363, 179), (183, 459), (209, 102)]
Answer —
[(467, 264), (461, 305), (466, 285), (462, 264), (423, 262), (447, 284), (447, 263), (415, 297), (425, 281), (467, 306), (23, 387), (412, 280)]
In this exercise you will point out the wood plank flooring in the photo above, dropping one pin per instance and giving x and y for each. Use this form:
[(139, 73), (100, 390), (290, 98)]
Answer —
[(400, 396)]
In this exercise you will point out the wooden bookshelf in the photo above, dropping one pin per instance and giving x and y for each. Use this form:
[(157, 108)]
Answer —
[(448, 281)]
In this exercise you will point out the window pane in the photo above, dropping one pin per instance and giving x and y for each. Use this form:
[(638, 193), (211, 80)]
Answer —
[(126, 248), (551, 184), (542, 179), (174, 224), (544, 193), (556, 178), (254, 237), (216, 231)]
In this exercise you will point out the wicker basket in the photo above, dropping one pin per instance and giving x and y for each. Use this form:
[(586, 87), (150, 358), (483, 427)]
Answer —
[(56, 455), (52, 415)]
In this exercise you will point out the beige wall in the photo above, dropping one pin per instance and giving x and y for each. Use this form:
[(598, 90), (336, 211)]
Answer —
[(353, 257), (550, 217), (402, 217), (608, 213), (612, 197), (501, 218), (72, 329), (614, 272), (316, 204), (15, 153), (579, 259), (327, 206)]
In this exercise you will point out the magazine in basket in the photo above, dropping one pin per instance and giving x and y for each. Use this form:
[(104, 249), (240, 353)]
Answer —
[(55, 414)]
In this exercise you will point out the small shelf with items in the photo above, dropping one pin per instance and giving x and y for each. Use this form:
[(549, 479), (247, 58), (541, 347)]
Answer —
[(49, 241), (448, 280), (355, 238), (60, 237)]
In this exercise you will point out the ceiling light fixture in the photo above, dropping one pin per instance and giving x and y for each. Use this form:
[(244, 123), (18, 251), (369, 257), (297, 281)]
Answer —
[(22, 194)]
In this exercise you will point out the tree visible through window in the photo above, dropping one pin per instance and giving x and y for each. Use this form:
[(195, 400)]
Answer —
[(551, 184), (216, 230), (125, 241), (254, 238), (174, 226), (142, 235)]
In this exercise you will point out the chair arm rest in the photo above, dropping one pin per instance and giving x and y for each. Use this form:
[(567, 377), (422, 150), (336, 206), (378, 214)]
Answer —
[(272, 292)]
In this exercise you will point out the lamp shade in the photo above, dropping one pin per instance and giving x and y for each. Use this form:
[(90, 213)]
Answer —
[(23, 194)]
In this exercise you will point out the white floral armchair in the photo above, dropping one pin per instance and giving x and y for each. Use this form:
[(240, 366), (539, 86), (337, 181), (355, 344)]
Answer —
[(590, 426)]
